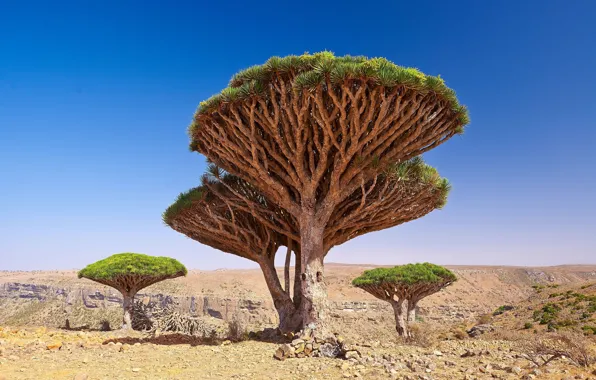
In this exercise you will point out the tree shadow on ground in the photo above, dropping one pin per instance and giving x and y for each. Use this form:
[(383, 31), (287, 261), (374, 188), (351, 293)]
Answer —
[(168, 340), (105, 327), (268, 336)]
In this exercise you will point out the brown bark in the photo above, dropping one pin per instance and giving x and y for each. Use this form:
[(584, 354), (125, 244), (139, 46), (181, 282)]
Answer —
[(400, 309), (297, 279), (313, 307), (287, 267), (127, 303), (289, 318), (412, 311)]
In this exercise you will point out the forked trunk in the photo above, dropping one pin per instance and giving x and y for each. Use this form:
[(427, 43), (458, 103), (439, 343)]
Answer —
[(289, 318), (314, 291), (400, 309), (127, 301)]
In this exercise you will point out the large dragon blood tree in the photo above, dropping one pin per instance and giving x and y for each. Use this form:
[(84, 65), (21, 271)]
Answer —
[(228, 214), (130, 272), (404, 286), (308, 131)]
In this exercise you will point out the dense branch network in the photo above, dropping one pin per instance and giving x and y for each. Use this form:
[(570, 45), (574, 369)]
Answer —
[(318, 136), (308, 128)]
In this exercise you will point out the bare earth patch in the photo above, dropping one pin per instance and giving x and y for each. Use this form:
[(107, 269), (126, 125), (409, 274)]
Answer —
[(39, 353)]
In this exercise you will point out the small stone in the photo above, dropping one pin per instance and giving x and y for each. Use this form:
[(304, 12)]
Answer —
[(437, 353), (352, 355), (515, 370), (537, 372), (81, 376), (279, 354), (136, 370), (346, 375), (137, 344), (55, 346), (296, 342), (468, 354), (226, 342), (299, 347), (308, 349)]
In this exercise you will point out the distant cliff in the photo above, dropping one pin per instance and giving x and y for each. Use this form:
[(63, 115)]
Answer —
[(52, 297)]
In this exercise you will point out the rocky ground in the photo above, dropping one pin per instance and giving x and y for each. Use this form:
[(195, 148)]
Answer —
[(443, 349), (40, 353)]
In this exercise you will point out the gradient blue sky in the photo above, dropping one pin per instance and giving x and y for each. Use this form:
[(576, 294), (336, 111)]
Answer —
[(95, 98)]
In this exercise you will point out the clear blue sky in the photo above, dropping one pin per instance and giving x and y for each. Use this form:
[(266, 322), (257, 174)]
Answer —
[(95, 100)]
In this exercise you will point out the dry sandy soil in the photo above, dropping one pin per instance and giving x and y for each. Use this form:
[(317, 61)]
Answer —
[(46, 354), (33, 352)]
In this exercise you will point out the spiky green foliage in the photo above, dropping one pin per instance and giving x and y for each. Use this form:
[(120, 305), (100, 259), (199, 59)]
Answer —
[(311, 70), (417, 170), (133, 264), (183, 201), (409, 274)]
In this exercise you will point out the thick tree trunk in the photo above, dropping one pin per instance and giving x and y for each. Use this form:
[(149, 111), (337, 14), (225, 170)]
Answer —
[(297, 279), (289, 318), (314, 291), (400, 309), (412, 311), (127, 302)]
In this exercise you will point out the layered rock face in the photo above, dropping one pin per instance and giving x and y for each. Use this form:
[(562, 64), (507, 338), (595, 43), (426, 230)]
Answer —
[(52, 297)]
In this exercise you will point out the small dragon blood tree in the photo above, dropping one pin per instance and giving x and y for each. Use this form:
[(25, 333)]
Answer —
[(403, 286), (130, 272), (307, 132)]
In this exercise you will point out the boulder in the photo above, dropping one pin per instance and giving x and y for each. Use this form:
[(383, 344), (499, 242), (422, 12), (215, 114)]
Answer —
[(479, 330)]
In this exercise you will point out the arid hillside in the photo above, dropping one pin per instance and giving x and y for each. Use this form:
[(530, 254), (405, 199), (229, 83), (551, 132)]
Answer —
[(50, 297)]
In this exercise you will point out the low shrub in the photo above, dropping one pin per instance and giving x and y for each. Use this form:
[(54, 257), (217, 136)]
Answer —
[(541, 350)]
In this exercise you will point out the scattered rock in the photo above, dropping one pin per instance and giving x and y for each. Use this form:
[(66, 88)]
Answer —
[(136, 370), (55, 346), (479, 330), (468, 354), (352, 355), (81, 376), (437, 353)]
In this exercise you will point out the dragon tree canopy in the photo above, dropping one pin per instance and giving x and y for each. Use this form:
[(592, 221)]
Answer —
[(406, 275), (132, 271), (309, 125), (227, 213)]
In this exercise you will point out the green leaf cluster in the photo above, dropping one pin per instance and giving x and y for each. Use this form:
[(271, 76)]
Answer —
[(183, 201), (133, 264), (409, 274), (311, 70), (417, 170)]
